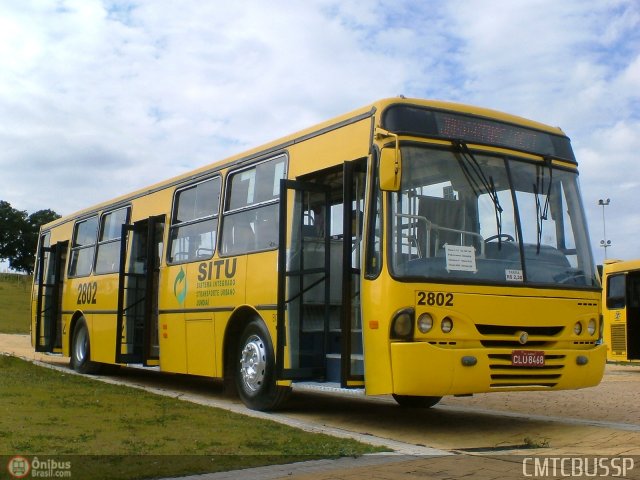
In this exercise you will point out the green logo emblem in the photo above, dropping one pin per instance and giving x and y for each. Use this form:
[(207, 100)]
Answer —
[(180, 286)]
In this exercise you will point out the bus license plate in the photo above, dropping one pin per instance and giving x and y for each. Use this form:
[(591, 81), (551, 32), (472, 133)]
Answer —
[(527, 358)]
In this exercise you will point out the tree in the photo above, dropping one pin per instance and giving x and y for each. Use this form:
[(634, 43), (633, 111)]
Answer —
[(19, 235), (11, 223)]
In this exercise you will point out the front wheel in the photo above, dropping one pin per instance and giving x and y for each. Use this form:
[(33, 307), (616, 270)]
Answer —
[(255, 370), (413, 401), (81, 350)]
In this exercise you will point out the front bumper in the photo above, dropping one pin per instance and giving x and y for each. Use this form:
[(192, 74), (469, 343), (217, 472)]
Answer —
[(420, 368)]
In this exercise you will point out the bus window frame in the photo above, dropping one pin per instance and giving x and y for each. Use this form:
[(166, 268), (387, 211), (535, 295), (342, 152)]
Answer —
[(100, 243), (73, 249), (225, 213), (214, 216), (371, 214)]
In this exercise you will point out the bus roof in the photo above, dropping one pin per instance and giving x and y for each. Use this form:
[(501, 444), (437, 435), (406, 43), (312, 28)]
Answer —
[(618, 266), (281, 143)]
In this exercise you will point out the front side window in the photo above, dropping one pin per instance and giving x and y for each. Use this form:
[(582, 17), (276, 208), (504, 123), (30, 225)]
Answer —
[(474, 217), (108, 254), (251, 211), (83, 247), (194, 223)]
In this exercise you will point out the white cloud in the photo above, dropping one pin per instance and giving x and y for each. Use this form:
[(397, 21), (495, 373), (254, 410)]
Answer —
[(101, 97)]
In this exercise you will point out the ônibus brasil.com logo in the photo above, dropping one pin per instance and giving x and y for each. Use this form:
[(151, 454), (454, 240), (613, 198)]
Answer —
[(20, 467)]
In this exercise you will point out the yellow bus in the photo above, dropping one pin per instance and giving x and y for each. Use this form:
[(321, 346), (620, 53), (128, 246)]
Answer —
[(621, 309), (414, 248)]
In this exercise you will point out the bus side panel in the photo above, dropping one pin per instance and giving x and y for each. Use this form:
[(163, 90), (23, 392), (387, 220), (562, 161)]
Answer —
[(375, 324), (262, 288), (324, 151), (201, 344), (171, 330), (101, 292), (261, 278)]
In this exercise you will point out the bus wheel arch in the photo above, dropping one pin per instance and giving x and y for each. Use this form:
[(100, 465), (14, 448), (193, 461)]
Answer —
[(80, 346), (249, 362)]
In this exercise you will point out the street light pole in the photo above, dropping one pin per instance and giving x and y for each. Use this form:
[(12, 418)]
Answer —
[(604, 242)]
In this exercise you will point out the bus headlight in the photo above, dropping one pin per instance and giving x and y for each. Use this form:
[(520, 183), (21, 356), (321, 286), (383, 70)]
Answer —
[(577, 328), (425, 323), (402, 324), (591, 328), (446, 325)]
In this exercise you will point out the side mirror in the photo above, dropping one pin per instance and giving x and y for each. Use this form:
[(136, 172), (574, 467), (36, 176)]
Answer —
[(390, 169)]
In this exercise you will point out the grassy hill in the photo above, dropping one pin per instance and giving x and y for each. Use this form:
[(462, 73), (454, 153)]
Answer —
[(15, 295)]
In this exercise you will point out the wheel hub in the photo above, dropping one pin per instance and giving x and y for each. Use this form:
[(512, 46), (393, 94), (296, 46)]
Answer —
[(253, 360), (80, 347)]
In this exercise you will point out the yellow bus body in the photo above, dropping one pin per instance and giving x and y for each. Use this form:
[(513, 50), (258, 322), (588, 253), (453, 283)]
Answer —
[(203, 304), (621, 311)]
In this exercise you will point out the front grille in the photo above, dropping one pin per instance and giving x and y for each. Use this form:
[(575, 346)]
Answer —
[(505, 375), (619, 338), (512, 330), (507, 336)]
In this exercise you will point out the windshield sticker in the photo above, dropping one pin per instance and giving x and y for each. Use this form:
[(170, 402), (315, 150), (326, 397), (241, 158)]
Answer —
[(513, 275), (460, 258)]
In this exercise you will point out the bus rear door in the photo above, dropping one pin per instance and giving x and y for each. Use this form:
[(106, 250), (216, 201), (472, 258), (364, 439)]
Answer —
[(137, 322), (48, 328)]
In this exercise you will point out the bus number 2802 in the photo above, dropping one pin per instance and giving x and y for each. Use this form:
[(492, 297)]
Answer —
[(87, 293), (438, 299)]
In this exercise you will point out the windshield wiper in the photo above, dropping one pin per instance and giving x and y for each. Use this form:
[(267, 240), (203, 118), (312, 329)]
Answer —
[(479, 182), (542, 212)]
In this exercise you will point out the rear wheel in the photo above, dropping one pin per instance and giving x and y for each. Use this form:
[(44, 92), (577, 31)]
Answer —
[(255, 370), (413, 401), (81, 350)]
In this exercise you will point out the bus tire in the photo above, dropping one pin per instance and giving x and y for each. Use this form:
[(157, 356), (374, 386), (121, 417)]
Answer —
[(81, 350), (255, 370), (414, 401)]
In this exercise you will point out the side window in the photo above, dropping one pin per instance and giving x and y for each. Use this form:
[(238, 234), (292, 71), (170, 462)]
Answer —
[(616, 291), (108, 254), (83, 247), (194, 223), (251, 212)]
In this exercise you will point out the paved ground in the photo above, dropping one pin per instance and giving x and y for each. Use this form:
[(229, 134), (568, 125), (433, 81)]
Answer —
[(485, 437)]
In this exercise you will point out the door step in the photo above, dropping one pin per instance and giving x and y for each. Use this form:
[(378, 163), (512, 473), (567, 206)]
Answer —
[(327, 387)]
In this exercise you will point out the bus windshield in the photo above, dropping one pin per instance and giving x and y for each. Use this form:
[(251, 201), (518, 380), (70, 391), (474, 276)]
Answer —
[(462, 216)]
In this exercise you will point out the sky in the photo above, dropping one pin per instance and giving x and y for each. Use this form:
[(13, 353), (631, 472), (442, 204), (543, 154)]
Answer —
[(99, 98)]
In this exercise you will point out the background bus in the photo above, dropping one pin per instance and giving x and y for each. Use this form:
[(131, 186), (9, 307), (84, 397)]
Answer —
[(621, 298), (414, 248)]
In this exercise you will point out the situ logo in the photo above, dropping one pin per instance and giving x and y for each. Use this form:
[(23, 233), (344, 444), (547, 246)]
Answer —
[(180, 286)]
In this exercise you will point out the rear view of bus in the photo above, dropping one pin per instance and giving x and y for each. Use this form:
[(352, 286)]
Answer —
[(487, 282)]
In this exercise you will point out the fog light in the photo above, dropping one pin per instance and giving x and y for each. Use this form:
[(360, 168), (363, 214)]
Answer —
[(425, 323), (402, 326), (577, 328), (591, 328), (446, 325)]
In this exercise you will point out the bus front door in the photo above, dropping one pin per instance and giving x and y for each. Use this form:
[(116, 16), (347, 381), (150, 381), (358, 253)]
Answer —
[(137, 323), (319, 321), (48, 328), (304, 283)]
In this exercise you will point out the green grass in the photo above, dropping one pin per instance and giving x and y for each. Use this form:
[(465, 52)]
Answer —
[(15, 295), (129, 433)]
